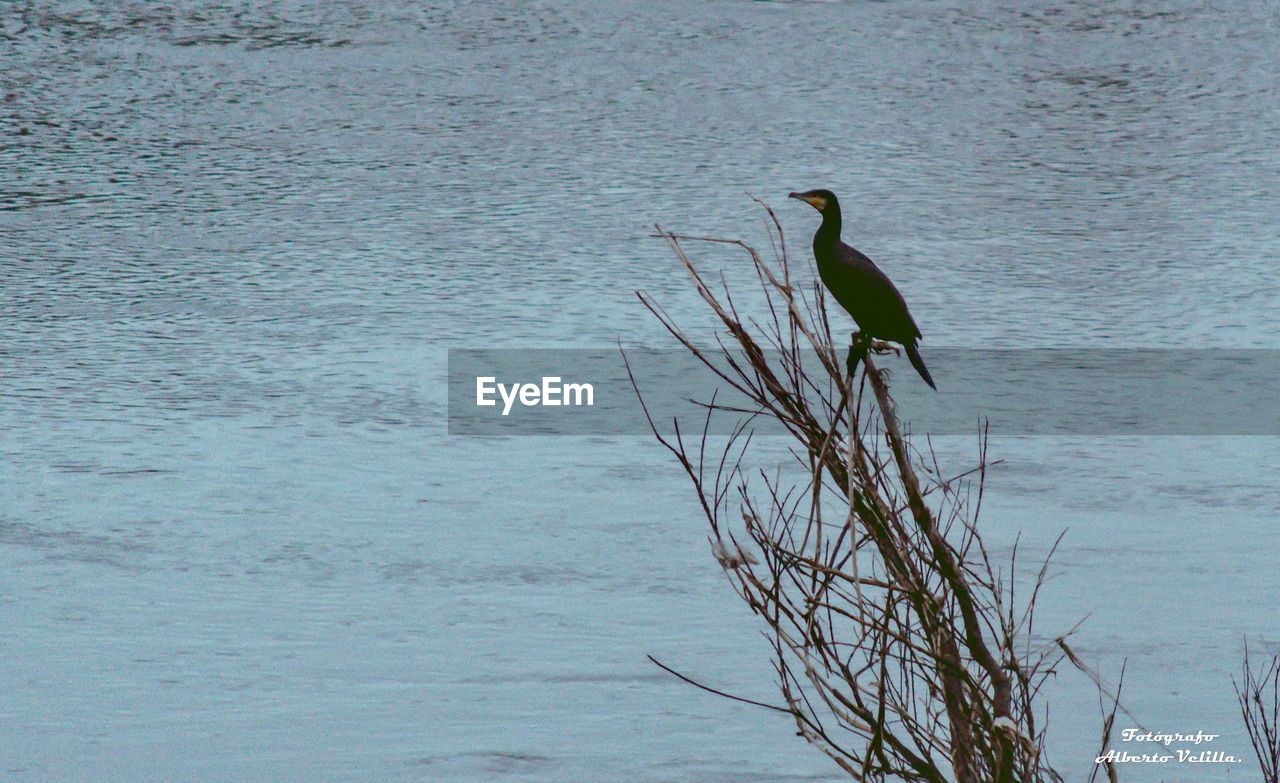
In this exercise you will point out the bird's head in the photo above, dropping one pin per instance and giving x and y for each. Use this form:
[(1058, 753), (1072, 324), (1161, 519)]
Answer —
[(820, 199)]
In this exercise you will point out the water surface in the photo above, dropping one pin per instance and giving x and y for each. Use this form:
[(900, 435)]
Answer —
[(236, 241)]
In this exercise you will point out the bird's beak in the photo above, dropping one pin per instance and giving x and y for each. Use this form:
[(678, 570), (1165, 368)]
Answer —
[(817, 202)]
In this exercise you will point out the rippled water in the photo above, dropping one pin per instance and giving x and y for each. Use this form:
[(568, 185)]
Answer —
[(238, 238)]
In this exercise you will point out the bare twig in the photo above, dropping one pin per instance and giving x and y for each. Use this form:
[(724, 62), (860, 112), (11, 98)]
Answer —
[(900, 649), (1259, 695)]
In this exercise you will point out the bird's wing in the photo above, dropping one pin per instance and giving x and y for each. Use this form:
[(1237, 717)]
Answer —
[(869, 296)]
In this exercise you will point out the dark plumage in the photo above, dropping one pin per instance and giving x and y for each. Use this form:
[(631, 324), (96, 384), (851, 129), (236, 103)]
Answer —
[(858, 284)]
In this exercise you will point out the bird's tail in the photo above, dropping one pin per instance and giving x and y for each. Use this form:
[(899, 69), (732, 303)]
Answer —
[(913, 353)]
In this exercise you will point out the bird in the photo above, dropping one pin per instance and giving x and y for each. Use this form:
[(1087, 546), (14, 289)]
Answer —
[(859, 286)]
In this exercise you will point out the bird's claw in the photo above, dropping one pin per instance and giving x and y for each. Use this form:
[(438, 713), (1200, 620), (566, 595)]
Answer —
[(859, 344), (882, 348)]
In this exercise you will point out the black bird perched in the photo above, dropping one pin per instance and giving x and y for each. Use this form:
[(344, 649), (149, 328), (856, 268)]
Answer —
[(858, 284)]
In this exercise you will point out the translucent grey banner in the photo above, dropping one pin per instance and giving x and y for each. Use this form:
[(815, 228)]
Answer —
[(1056, 391)]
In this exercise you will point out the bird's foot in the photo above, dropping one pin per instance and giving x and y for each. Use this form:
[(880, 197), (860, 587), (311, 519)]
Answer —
[(883, 348), (858, 347)]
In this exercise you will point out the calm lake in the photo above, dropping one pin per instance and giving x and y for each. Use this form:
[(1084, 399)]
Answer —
[(237, 240)]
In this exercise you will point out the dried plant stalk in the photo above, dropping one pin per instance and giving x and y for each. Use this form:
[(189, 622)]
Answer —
[(1259, 697), (900, 650)]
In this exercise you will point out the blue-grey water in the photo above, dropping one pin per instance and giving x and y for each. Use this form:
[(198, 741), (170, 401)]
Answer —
[(237, 239)]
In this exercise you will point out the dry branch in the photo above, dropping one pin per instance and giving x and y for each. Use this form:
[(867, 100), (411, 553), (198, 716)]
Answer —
[(1259, 695), (899, 648)]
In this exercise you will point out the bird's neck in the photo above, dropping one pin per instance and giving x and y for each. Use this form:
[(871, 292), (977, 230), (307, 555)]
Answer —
[(829, 232)]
